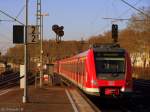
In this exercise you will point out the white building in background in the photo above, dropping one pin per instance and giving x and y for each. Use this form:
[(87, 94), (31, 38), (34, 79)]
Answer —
[(140, 59)]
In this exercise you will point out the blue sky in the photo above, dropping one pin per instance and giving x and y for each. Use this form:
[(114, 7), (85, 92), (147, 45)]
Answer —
[(80, 18)]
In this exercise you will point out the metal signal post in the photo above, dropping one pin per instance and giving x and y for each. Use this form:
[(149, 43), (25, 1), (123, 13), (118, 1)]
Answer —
[(41, 47), (38, 23), (40, 17), (25, 97)]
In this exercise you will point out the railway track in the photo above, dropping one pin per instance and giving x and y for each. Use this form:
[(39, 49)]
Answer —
[(72, 89), (9, 80), (138, 101), (13, 79), (122, 104), (142, 86), (135, 102)]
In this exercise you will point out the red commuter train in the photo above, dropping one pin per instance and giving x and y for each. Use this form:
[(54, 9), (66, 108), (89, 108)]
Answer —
[(101, 70)]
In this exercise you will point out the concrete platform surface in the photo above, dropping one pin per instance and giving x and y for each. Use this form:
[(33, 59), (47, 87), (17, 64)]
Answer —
[(52, 99)]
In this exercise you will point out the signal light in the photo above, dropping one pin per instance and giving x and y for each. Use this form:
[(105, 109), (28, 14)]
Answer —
[(55, 27), (115, 32), (61, 33), (61, 27), (58, 30)]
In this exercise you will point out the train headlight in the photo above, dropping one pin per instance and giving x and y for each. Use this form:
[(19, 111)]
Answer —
[(122, 89), (94, 82)]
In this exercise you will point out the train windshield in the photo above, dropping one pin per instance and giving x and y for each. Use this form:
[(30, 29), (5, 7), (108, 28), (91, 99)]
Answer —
[(110, 65)]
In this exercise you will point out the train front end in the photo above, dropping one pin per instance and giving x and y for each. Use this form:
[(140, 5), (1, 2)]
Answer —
[(112, 71)]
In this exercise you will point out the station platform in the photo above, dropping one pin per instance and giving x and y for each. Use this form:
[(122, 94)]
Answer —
[(46, 99)]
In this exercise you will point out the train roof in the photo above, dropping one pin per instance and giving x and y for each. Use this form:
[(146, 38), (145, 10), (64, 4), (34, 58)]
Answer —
[(109, 47), (82, 54)]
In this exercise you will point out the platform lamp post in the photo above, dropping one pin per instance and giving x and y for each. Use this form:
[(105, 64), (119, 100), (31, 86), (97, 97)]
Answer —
[(41, 48)]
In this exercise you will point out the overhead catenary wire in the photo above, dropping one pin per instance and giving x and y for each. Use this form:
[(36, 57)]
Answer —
[(118, 17), (16, 16), (135, 8), (11, 17), (6, 20), (122, 19), (122, 14), (126, 11), (20, 11)]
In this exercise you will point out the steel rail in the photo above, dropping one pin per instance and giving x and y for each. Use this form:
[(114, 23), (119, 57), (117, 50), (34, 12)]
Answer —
[(11, 82), (70, 84)]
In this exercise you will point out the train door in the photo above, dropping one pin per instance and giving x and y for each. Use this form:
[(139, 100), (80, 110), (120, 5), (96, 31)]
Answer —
[(82, 73), (78, 72), (74, 73), (85, 73), (71, 70)]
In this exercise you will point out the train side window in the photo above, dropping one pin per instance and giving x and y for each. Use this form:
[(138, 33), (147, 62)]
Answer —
[(80, 67), (68, 67), (77, 67), (71, 66), (74, 67)]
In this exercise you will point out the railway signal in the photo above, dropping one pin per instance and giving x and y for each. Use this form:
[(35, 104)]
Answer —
[(115, 33), (55, 27), (59, 32)]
